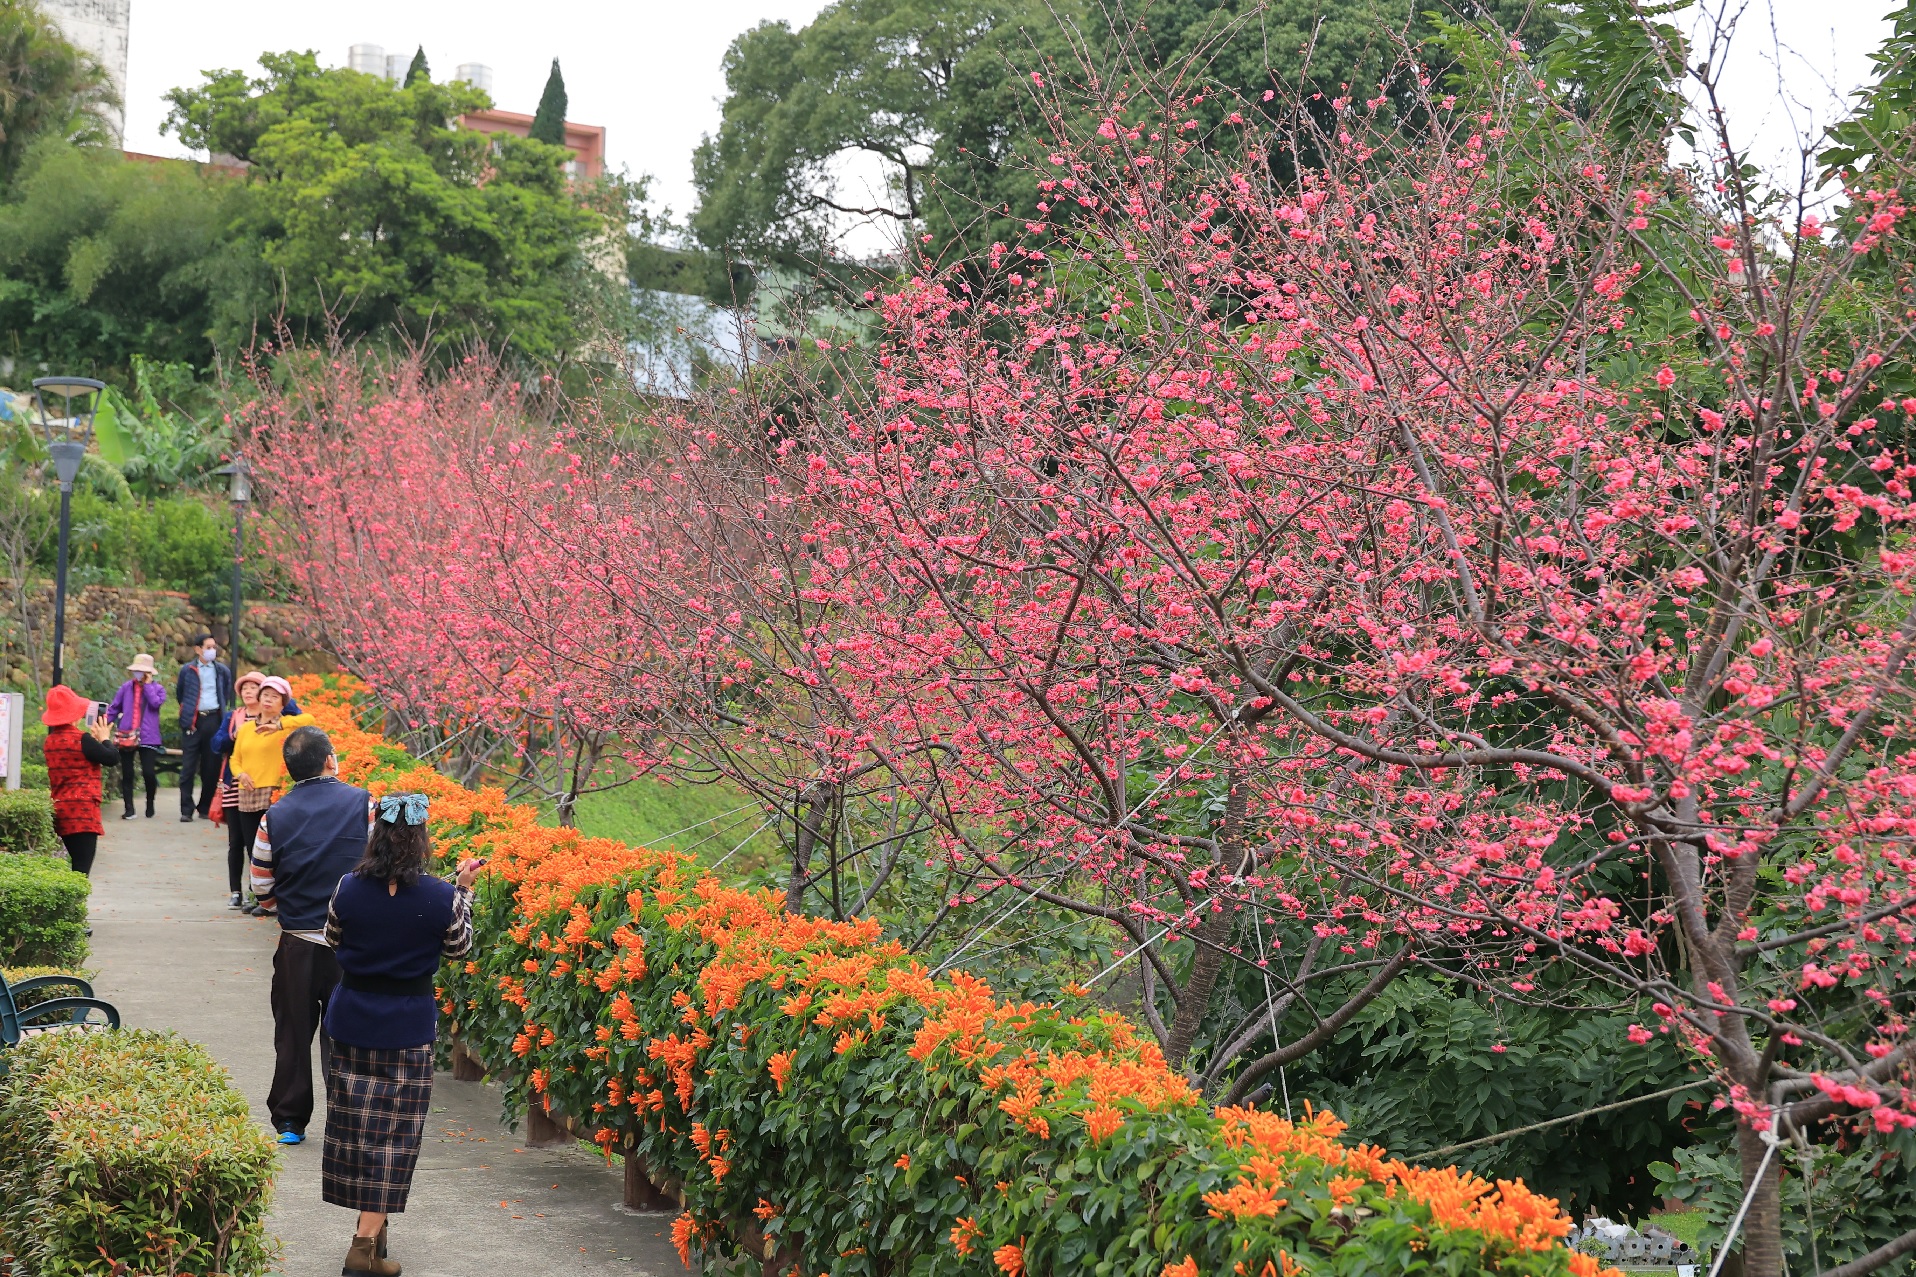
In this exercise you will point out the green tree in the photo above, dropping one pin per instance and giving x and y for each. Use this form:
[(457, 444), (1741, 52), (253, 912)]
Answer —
[(939, 95), (1433, 1063), (1880, 127), (1309, 51), (46, 87), (548, 122), (103, 260), (373, 212), (418, 70), (929, 90)]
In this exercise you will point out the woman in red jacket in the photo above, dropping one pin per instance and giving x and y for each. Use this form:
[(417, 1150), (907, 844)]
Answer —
[(74, 758)]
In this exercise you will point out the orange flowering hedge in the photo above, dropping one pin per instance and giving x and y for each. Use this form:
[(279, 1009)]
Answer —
[(874, 1120)]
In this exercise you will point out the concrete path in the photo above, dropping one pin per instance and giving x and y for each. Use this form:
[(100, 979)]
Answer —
[(171, 955)]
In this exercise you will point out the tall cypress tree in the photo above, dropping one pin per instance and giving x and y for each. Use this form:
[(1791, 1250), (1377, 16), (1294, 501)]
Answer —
[(418, 70), (548, 123)]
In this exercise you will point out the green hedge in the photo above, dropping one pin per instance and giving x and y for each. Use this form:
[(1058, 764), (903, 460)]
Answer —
[(26, 822), (34, 776), (130, 1147), (179, 543), (42, 912)]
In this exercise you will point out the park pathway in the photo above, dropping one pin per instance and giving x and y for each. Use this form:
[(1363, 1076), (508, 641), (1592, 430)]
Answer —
[(171, 955)]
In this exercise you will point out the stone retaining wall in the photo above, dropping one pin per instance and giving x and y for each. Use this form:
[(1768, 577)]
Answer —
[(108, 624)]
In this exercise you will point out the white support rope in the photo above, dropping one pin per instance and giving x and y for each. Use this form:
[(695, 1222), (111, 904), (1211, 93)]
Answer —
[(1770, 1142), (1176, 768), (708, 820), (1018, 904), (1559, 1121), (1126, 958), (734, 851)]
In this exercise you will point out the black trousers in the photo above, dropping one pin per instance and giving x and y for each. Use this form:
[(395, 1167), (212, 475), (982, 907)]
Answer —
[(80, 849), (197, 760), (240, 828), (149, 762), (304, 974)]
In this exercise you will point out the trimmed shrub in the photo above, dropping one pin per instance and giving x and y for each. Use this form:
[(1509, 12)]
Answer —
[(14, 975), (130, 1147), (34, 776), (820, 1098), (42, 912), (26, 822)]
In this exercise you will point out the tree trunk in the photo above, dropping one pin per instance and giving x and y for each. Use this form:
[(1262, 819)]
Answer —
[(814, 827), (1195, 998), (1213, 933), (1762, 1235)]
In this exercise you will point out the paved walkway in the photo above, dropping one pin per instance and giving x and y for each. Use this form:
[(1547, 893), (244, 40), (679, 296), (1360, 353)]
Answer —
[(171, 955)]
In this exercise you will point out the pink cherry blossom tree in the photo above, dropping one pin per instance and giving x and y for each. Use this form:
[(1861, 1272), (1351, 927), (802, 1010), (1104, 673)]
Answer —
[(1485, 552), (424, 518)]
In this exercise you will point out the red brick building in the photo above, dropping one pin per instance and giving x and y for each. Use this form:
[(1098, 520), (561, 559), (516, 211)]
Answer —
[(585, 141)]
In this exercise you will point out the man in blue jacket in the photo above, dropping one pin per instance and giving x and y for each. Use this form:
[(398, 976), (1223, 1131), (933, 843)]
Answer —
[(307, 842), (204, 690)]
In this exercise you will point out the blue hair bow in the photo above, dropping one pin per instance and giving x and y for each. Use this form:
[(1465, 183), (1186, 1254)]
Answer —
[(408, 809)]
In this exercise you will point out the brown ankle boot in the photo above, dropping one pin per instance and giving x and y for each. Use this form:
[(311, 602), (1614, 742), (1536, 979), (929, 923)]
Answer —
[(383, 1229), (363, 1260)]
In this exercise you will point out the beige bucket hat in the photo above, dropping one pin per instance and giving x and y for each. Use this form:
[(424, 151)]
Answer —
[(143, 664)]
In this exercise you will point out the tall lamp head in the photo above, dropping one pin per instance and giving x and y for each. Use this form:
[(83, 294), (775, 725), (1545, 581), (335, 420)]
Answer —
[(67, 424), (241, 477)]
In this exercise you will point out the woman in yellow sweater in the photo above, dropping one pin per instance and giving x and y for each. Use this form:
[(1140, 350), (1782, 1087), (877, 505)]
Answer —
[(259, 762)]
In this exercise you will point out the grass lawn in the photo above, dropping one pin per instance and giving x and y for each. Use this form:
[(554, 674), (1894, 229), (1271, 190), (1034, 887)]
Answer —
[(1687, 1227), (708, 821)]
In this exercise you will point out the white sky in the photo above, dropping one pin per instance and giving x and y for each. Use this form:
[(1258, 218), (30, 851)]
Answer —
[(1792, 66), (649, 71)]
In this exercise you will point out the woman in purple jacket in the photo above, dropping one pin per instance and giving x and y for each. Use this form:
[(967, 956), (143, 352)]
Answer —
[(135, 715)]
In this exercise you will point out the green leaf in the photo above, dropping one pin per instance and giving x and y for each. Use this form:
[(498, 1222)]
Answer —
[(116, 445)]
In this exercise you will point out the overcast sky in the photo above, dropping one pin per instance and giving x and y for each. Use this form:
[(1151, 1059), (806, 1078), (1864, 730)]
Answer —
[(649, 71)]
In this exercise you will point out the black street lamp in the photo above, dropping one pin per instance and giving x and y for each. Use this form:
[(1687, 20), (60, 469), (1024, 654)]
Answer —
[(241, 492), (67, 436)]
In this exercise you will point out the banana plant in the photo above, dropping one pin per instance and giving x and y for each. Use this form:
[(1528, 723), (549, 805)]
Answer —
[(156, 446)]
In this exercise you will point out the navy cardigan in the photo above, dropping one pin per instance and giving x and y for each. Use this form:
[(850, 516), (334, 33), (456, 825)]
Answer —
[(389, 944)]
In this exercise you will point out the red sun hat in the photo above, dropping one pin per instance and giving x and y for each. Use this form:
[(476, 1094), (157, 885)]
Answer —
[(64, 707)]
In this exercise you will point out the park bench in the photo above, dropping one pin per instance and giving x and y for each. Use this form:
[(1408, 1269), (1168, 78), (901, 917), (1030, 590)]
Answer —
[(59, 1014)]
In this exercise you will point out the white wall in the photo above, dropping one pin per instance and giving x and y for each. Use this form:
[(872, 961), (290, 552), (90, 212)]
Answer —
[(99, 27)]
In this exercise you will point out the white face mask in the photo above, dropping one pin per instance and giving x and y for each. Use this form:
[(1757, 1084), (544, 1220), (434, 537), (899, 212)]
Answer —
[(207, 654)]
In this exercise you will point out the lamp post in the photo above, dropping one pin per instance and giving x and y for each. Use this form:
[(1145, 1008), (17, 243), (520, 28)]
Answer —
[(67, 436), (241, 476)]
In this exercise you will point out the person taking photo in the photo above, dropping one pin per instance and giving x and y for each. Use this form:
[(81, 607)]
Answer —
[(390, 924), (76, 749), (135, 716)]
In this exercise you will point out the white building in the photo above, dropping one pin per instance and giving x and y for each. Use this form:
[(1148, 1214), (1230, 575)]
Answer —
[(100, 28), (374, 60)]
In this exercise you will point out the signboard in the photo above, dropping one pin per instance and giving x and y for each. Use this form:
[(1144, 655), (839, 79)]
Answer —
[(13, 711)]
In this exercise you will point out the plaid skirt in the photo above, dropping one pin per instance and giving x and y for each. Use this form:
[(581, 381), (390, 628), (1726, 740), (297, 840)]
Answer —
[(376, 1104)]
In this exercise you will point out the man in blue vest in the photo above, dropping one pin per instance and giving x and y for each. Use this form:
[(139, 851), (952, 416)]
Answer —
[(307, 842)]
